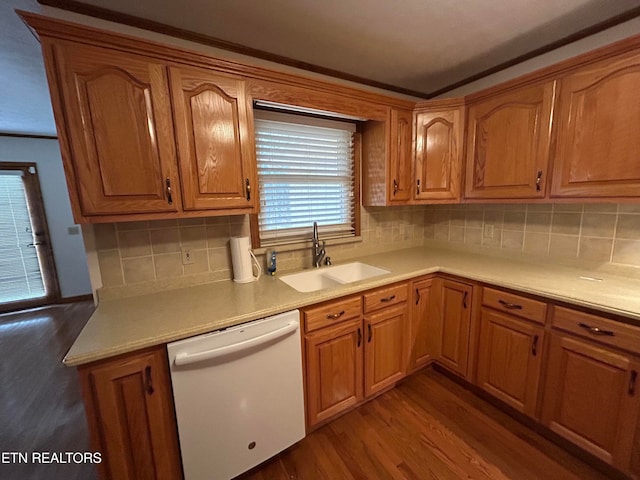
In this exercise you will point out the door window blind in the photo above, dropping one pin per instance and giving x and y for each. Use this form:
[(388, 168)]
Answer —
[(306, 173), (20, 276)]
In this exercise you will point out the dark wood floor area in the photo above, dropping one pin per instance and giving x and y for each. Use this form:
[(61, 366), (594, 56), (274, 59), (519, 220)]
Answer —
[(427, 428), (41, 408)]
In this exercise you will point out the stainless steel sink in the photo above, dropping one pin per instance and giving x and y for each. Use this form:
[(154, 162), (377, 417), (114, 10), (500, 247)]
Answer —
[(322, 278)]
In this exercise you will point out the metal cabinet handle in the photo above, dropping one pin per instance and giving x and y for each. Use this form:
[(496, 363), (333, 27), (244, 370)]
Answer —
[(148, 381), (387, 299), (534, 346), (248, 188), (359, 336), (418, 186), (333, 316), (417, 296), (370, 332), (169, 193), (538, 180), (396, 187), (632, 382), (596, 330), (464, 299), (510, 306)]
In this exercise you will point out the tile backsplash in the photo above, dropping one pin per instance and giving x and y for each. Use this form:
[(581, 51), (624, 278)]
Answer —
[(590, 233), (147, 255)]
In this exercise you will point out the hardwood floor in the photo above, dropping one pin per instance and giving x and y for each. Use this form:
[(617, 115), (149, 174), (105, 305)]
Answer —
[(41, 408), (428, 427)]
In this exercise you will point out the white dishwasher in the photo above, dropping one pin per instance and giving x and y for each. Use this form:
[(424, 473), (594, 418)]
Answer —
[(238, 395)]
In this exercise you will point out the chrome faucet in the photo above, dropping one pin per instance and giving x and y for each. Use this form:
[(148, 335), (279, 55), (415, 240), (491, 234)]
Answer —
[(318, 251)]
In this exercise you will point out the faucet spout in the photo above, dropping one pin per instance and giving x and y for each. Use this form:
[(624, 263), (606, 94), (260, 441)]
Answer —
[(318, 251)]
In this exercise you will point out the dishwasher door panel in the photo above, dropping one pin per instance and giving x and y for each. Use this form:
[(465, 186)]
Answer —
[(238, 395)]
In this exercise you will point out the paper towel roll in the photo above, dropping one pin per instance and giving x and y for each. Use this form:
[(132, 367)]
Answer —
[(241, 259)]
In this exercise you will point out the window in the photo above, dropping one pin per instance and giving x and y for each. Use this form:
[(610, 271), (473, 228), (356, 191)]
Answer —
[(306, 173)]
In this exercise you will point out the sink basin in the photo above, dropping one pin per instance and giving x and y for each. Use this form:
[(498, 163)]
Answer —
[(319, 279)]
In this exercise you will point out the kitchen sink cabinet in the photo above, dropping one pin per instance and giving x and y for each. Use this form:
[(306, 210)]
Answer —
[(452, 332), (334, 372), (216, 153), (422, 324), (508, 143), (439, 142), (386, 159), (591, 398), (597, 130), (129, 406), (113, 114)]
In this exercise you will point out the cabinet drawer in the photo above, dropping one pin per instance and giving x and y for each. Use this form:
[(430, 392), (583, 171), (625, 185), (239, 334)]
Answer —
[(533, 310), (331, 313), (603, 330), (385, 297)]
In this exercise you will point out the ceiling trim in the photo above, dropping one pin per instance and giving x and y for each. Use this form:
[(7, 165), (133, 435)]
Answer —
[(162, 28), (28, 135)]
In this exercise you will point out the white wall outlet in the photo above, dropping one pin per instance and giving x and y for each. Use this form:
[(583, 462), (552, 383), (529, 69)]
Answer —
[(187, 257), (488, 231)]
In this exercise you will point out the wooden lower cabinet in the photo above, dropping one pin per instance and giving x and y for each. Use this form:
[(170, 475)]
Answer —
[(592, 398), (452, 311), (422, 325), (334, 370), (510, 359), (129, 406), (385, 358)]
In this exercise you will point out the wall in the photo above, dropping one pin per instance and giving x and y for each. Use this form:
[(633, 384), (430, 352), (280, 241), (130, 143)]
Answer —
[(141, 257), (602, 235), (68, 250)]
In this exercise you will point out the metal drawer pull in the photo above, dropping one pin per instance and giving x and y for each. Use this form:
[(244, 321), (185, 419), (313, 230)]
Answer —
[(333, 316), (632, 382), (148, 381), (596, 330), (396, 187), (359, 336), (418, 187), (534, 346), (169, 193), (387, 299), (538, 179), (370, 333), (510, 306)]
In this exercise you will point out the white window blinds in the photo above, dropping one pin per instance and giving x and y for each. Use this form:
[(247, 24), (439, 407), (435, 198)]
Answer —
[(306, 173), (20, 277)]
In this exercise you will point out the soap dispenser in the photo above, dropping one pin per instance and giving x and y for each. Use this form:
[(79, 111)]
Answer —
[(272, 264)]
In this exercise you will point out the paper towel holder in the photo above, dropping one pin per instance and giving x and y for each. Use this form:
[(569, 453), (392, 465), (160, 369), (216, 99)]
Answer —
[(243, 260)]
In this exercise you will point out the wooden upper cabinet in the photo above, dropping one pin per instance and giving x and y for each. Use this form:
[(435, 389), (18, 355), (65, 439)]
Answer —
[(114, 119), (508, 139), (386, 159), (214, 130), (439, 138), (598, 121)]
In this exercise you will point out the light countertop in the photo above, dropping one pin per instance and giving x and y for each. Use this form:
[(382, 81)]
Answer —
[(129, 324)]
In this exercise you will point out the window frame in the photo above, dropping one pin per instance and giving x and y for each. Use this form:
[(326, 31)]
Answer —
[(314, 120)]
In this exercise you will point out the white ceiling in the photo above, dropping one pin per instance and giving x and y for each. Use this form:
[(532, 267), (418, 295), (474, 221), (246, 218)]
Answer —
[(414, 44)]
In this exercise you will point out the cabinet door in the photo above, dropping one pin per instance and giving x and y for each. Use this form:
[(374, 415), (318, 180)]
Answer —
[(592, 398), (438, 160), (399, 181), (334, 370), (385, 358), (597, 135), (131, 416), (453, 324), (422, 326), (508, 144), (509, 359), (214, 128), (117, 114)]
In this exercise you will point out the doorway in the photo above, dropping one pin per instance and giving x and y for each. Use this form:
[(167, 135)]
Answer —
[(27, 269)]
